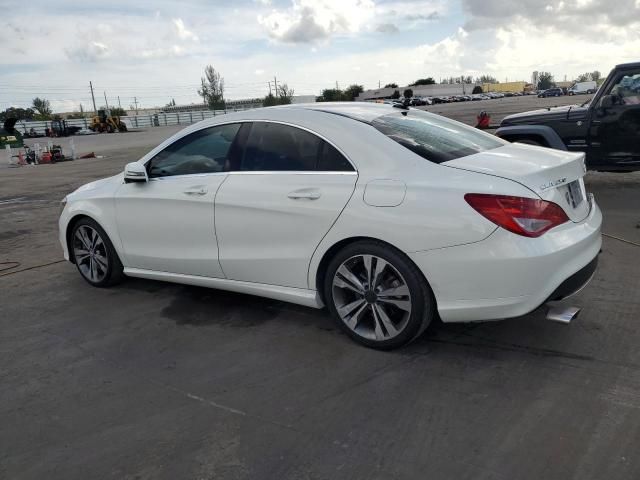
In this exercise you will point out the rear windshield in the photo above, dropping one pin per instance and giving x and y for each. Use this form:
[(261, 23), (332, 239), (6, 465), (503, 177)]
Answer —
[(433, 137)]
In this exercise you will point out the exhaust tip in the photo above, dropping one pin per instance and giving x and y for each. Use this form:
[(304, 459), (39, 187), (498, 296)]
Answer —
[(562, 314)]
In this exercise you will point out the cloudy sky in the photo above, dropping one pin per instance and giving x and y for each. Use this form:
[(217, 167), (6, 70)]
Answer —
[(157, 50)]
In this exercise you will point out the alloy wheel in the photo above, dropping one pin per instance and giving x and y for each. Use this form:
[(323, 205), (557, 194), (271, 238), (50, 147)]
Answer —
[(90, 253), (371, 297)]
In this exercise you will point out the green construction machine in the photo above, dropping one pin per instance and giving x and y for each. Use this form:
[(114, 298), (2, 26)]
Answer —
[(9, 135)]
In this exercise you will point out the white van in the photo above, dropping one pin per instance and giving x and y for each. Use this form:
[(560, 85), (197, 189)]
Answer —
[(579, 88)]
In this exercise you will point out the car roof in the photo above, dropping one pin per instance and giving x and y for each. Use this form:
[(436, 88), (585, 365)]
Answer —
[(628, 65), (362, 111)]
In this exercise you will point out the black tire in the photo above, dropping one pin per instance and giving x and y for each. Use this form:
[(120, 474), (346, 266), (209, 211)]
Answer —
[(422, 302), (105, 277), (122, 127)]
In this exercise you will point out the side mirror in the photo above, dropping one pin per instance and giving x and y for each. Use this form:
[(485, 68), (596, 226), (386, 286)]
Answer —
[(135, 172), (606, 102)]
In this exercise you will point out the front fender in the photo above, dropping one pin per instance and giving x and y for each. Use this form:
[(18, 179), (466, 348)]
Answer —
[(547, 133), (100, 210)]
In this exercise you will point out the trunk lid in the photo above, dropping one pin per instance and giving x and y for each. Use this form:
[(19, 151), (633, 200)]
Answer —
[(554, 175)]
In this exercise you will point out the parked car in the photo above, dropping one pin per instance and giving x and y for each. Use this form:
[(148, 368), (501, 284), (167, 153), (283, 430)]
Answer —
[(391, 217), (551, 92), (606, 128), (417, 102)]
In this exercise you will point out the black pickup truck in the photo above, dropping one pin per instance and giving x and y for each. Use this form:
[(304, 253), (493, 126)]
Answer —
[(606, 128)]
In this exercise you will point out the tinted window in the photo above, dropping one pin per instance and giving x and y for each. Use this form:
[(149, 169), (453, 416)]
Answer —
[(331, 160), (433, 137), (204, 151), (276, 147)]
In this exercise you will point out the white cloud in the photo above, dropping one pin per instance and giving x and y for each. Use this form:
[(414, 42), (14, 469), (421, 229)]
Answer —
[(259, 71), (182, 31), (308, 21), (89, 52)]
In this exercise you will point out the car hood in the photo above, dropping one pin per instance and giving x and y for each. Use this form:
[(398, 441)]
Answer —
[(102, 186), (544, 115)]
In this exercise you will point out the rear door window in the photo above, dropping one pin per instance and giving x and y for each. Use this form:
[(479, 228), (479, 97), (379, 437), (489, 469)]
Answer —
[(433, 137), (277, 147)]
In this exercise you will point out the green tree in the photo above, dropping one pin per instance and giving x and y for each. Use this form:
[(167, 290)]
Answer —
[(352, 92), (118, 112), (212, 88), (545, 80), (17, 113), (423, 81), (408, 93), (332, 95), (396, 94), (584, 77), (486, 79), (270, 100), (477, 89), (285, 94), (43, 107), (596, 76), (391, 85)]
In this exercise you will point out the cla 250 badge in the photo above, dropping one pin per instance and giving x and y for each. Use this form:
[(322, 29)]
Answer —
[(552, 183)]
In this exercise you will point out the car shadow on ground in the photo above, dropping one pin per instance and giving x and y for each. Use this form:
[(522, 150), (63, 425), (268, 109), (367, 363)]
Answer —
[(202, 307)]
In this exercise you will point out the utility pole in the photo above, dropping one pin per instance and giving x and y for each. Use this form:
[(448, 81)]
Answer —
[(275, 84), (337, 88), (119, 106), (378, 83), (269, 88), (135, 102), (95, 110), (105, 99)]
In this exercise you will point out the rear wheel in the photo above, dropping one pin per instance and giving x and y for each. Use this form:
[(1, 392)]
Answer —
[(377, 295), (94, 255)]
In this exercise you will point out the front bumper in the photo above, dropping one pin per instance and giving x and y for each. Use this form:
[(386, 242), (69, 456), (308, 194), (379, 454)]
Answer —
[(507, 275)]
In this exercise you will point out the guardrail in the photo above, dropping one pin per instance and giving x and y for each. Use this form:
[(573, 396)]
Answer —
[(135, 121)]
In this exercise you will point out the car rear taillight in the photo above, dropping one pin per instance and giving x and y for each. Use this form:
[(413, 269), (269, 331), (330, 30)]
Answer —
[(524, 216)]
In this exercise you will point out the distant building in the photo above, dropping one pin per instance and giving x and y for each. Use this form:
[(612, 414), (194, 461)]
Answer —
[(504, 87)]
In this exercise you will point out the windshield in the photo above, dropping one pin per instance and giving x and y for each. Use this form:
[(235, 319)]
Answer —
[(433, 137)]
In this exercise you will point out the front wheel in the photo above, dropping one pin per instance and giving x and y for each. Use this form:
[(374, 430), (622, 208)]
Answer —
[(94, 255), (377, 295)]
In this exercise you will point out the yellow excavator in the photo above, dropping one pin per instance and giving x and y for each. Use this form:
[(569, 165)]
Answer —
[(105, 122)]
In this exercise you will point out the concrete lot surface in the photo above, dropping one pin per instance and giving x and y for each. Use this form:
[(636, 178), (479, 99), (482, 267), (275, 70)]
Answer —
[(149, 380)]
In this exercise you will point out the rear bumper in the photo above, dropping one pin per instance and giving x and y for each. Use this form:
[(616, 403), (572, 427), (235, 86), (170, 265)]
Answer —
[(575, 282), (507, 275)]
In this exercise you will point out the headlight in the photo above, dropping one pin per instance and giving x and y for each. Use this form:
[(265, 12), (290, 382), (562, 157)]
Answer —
[(63, 203)]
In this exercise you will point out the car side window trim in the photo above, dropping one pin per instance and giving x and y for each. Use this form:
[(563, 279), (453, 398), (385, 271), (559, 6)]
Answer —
[(320, 136)]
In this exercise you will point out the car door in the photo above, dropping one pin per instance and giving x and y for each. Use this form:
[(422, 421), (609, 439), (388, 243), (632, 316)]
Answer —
[(615, 129), (278, 202), (167, 224)]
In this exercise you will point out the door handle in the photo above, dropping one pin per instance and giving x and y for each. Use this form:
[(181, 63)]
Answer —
[(304, 194), (195, 191)]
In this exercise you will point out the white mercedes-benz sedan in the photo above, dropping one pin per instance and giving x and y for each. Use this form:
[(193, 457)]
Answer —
[(391, 217)]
